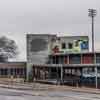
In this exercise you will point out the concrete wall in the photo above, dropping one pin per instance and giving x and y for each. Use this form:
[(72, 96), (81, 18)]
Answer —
[(38, 48)]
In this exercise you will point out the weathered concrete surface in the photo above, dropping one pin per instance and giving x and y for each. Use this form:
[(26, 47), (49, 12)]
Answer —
[(46, 92), (9, 94)]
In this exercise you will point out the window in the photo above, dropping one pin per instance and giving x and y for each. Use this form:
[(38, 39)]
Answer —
[(63, 45), (74, 59), (70, 45), (84, 45), (97, 58), (77, 43)]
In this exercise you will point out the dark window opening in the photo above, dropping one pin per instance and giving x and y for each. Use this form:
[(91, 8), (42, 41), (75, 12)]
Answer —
[(63, 45), (70, 45), (76, 43)]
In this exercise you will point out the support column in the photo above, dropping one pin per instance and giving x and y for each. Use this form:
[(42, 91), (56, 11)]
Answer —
[(57, 81), (71, 71), (33, 73), (68, 58), (39, 73), (29, 69), (96, 77), (96, 72), (49, 73), (61, 75), (81, 58), (0, 72), (45, 73), (9, 72), (81, 74)]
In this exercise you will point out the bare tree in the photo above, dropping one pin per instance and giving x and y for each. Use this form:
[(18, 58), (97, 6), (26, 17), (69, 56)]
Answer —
[(8, 49)]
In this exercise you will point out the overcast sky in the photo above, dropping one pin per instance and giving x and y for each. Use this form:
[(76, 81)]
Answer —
[(18, 17)]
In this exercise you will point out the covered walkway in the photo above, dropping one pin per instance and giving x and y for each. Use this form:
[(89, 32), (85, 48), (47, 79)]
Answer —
[(69, 74)]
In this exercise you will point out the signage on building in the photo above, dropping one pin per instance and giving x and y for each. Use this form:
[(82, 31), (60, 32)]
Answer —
[(65, 45)]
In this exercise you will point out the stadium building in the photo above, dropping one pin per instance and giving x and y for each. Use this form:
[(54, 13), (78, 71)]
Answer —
[(62, 60)]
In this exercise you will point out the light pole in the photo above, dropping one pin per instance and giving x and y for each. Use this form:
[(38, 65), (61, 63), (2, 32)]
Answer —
[(92, 14)]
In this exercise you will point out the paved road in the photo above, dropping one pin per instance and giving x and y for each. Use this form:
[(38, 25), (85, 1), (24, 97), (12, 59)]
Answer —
[(9, 94)]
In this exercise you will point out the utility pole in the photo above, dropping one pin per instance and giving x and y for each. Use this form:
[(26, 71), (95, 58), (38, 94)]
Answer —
[(92, 14)]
